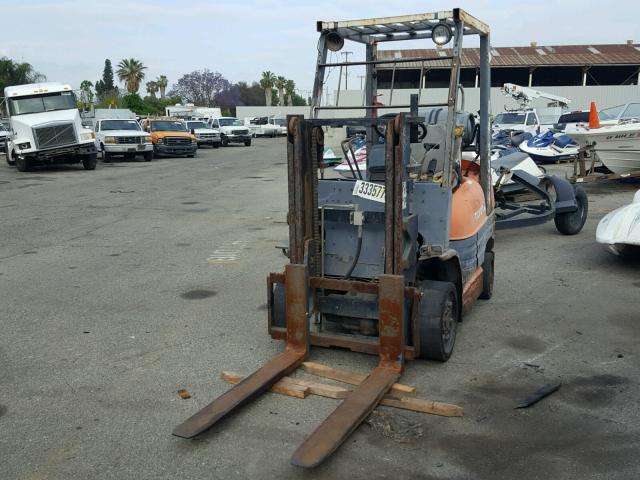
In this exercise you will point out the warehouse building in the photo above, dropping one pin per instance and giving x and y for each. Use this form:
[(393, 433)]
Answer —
[(534, 66)]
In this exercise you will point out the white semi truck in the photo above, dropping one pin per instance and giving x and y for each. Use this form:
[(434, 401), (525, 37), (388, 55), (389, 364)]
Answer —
[(46, 127)]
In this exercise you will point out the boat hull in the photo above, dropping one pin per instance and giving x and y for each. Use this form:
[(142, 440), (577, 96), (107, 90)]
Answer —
[(619, 230), (616, 146)]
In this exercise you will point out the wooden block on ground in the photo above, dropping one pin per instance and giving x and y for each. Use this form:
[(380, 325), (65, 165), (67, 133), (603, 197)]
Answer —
[(321, 389), (282, 386), (424, 406), (352, 378)]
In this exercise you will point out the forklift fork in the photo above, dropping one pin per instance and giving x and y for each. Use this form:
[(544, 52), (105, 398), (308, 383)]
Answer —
[(259, 382), (355, 408)]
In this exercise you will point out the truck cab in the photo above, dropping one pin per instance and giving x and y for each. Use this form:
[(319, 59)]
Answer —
[(517, 121), (231, 130), (122, 136), (46, 128), (170, 136), (205, 135), (263, 127)]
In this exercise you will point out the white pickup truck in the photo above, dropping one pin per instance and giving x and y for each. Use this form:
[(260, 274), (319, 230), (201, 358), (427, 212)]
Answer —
[(4, 133), (46, 128), (205, 135), (265, 126), (122, 136), (231, 130)]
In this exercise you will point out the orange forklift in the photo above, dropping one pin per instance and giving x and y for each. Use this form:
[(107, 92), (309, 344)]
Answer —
[(387, 261)]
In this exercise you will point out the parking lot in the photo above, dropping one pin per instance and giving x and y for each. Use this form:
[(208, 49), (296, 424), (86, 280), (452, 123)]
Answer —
[(122, 285)]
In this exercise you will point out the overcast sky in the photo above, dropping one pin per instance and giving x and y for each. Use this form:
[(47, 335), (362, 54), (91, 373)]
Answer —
[(69, 40)]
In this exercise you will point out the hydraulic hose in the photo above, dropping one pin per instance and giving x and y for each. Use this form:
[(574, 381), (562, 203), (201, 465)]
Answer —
[(357, 255)]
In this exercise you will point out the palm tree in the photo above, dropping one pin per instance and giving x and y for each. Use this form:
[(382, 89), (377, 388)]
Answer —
[(152, 88), (280, 83), (289, 88), (266, 82), (131, 72), (162, 83)]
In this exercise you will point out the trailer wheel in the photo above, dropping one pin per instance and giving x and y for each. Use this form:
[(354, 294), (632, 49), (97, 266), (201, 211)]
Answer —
[(23, 164), (487, 276), (439, 313), (571, 223), (90, 161)]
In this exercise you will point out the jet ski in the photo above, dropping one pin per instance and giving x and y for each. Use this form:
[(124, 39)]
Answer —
[(354, 163), (619, 230), (550, 147)]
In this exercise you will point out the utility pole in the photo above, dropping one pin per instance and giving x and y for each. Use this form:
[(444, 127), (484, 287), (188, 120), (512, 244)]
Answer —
[(346, 59)]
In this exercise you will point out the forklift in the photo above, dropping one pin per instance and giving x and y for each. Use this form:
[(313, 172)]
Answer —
[(385, 262)]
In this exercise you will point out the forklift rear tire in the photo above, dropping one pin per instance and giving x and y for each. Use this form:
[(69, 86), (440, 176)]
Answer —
[(571, 223), (439, 314), (487, 276)]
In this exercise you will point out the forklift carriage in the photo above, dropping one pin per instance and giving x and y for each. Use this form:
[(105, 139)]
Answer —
[(384, 262)]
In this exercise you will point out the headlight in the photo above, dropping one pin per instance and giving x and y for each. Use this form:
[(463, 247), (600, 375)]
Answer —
[(147, 140), (193, 140), (441, 34), (198, 135), (87, 136), (109, 140), (24, 146)]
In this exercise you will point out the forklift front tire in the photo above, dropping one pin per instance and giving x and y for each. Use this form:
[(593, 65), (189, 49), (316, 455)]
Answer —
[(439, 313)]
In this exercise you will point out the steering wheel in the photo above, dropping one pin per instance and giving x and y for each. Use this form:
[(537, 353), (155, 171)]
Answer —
[(421, 135)]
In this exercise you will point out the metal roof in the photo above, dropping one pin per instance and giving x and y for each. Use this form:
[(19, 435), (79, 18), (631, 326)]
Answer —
[(531, 56)]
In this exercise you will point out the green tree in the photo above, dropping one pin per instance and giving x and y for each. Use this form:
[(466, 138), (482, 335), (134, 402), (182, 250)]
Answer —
[(266, 82), (280, 83), (290, 89), (163, 83), (86, 94), (152, 88), (251, 94), (131, 72), (14, 73), (105, 88)]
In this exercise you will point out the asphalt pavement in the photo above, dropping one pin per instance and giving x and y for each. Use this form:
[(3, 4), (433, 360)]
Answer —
[(123, 285)]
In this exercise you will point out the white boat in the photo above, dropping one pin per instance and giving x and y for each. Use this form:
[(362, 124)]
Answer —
[(617, 141), (616, 146), (620, 230)]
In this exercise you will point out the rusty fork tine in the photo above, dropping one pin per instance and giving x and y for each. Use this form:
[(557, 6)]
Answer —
[(355, 408), (250, 388), (345, 419), (296, 285)]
